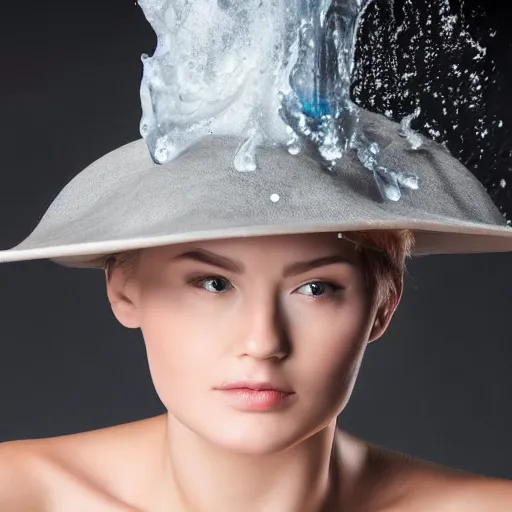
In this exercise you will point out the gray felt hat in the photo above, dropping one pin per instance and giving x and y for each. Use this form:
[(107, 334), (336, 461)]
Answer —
[(126, 201)]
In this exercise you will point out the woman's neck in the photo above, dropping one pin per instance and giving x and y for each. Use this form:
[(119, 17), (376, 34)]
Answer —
[(206, 478)]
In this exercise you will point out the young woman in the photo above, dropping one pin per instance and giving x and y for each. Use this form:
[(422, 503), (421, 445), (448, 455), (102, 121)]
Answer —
[(257, 274), (255, 313)]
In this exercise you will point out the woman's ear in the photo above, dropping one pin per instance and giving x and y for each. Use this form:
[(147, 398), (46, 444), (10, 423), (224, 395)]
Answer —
[(122, 295), (385, 312)]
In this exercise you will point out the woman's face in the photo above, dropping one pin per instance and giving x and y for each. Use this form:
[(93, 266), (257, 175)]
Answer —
[(289, 312)]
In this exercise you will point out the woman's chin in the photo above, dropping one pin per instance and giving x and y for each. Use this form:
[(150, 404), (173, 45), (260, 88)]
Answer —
[(256, 436), (252, 433), (255, 444)]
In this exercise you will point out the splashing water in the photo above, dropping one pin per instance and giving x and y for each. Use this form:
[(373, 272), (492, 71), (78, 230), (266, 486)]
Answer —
[(413, 138), (425, 53), (269, 71), (277, 71), (213, 72)]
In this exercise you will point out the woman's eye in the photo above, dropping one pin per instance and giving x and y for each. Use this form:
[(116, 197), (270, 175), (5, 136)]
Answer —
[(212, 284), (319, 289)]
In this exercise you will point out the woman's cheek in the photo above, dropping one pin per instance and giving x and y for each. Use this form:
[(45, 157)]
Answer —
[(177, 344), (331, 344)]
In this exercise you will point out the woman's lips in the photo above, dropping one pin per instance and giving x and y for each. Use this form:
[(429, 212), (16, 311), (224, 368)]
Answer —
[(257, 399)]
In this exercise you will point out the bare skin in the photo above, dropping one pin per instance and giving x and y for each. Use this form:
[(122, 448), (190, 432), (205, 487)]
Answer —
[(304, 330), (117, 470)]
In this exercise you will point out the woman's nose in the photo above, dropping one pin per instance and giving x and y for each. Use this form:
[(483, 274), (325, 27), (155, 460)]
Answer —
[(264, 332)]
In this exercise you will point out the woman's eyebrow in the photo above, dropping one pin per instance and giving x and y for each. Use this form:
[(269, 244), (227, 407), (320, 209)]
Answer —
[(210, 258), (303, 266)]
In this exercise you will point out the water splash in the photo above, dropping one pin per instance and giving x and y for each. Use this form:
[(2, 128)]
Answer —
[(389, 181), (434, 54), (413, 138), (277, 71), (245, 157), (281, 71), (215, 71), (428, 57)]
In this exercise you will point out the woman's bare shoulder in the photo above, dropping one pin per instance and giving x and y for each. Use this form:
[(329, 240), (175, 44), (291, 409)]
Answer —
[(73, 471), (17, 490), (392, 482), (99, 470)]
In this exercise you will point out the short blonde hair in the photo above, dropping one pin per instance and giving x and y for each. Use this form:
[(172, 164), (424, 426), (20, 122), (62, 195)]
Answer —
[(126, 260), (383, 255)]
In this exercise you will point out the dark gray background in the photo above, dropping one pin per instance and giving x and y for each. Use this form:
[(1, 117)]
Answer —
[(436, 386)]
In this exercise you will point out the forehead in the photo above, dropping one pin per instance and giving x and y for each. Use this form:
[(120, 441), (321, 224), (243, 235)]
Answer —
[(288, 247)]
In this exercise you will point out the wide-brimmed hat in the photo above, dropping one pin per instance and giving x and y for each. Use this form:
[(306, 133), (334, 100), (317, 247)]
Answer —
[(126, 201)]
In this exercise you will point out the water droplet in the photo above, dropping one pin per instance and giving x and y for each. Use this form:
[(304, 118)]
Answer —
[(503, 183), (245, 158), (409, 181), (294, 149), (387, 184), (293, 144), (161, 151), (414, 139)]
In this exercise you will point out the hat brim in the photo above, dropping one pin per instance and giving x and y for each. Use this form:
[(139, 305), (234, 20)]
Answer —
[(430, 239), (125, 201)]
